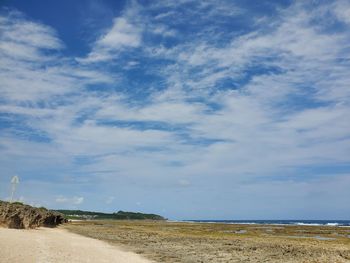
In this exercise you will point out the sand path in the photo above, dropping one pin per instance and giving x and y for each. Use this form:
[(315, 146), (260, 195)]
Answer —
[(45, 245)]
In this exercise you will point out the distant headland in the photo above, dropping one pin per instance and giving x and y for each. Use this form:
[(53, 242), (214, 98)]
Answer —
[(120, 215)]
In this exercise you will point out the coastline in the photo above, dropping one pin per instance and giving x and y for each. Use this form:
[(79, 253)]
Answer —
[(292, 222), (171, 241)]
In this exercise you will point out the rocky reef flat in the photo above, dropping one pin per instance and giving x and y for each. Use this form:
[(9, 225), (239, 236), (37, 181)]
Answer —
[(169, 242)]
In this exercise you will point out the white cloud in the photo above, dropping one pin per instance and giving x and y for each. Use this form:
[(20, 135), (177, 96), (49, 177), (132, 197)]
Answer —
[(29, 72), (110, 200), (76, 200), (160, 29), (200, 10), (19, 31), (125, 33), (61, 199), (184, 182), (342, 11)]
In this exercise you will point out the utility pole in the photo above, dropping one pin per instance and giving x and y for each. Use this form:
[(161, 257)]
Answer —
[(14, 183)]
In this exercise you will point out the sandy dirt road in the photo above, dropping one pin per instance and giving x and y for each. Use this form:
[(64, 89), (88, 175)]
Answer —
[(45, 245)]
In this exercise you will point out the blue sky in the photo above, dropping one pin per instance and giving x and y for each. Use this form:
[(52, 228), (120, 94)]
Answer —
[(190, 109)]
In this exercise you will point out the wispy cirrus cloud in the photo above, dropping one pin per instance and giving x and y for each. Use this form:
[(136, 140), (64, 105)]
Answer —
[(22, 39), (152, 106), (342, 11), (125, 33), (30, 55)]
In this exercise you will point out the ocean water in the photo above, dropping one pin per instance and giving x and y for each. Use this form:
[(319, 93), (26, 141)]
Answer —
[(280, 222)]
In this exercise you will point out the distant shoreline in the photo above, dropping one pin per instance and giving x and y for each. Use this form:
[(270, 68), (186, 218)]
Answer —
[(340, 223)]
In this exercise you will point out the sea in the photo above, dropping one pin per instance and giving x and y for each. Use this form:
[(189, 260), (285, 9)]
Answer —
[(279, 222)]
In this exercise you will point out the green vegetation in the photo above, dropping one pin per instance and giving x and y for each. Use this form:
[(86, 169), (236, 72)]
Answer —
[(120, 215), (17, 203), (14, 203)]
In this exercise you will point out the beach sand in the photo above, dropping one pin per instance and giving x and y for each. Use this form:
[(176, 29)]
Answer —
[(51, 245), (169, 242)]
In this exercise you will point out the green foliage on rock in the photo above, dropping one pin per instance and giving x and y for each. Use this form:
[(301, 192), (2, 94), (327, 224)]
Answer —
[(17, 203)]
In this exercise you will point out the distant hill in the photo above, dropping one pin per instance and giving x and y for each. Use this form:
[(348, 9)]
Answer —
[(120, 215)]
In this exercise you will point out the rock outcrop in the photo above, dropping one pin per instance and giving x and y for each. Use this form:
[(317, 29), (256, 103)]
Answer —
[(17, 215)]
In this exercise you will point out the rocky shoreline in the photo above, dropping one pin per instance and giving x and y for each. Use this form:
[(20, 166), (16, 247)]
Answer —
[(169, 242), (21, 216)]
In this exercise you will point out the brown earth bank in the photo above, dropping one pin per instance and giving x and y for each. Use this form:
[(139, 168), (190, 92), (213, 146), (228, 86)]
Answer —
[(202, 242), (18, 215)]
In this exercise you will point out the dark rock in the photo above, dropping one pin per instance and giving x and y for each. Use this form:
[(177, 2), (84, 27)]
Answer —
[(17, 215)]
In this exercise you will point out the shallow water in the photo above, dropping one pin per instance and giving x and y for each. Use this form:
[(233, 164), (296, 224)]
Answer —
[(241, 231), (315, 237), (338, 223), (324, 238)]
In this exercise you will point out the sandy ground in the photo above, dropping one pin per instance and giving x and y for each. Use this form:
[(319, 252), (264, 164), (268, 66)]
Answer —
[(45, 245)]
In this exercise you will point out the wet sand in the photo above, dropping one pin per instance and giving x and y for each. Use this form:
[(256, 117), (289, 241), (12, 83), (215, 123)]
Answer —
[(46, 245), (169, 242)]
